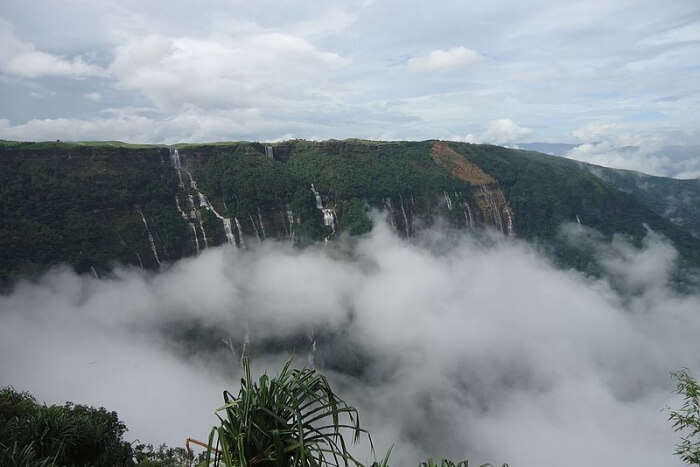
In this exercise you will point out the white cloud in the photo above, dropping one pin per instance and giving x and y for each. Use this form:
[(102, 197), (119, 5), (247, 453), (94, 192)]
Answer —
[(23, 59), (462, 345), (268, 70), (93, 96), (503, 131), (626, 147), (444, 60)]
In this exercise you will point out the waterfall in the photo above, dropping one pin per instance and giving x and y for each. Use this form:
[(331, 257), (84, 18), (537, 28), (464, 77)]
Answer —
[(448, 201), (329, 215), (578, 220), (319, 202), (138, 256), (241, 243), (194, 235), (262, 226), (290, 219), (269, 152), (204, 203), (94, 272), (229, 231), (201, 226), (179, 209), (184, 215), (255, 227), (150, 238), (390, 208), (405, 218), (495, 212), (177, 165), (509, 220), (468, 219)]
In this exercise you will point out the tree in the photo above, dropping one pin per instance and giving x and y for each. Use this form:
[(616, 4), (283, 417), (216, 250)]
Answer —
[(687, 419)]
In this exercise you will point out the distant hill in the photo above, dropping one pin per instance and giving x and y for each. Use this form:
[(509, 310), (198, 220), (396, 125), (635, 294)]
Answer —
[(554, 149), (96, 204), (676, 200)]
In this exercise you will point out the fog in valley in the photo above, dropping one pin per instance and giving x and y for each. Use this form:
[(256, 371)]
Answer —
[(448, 344)]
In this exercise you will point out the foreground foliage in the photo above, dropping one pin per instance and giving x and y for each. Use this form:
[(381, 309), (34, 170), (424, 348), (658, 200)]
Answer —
[(34, 434), (293, 419), (687, 419)]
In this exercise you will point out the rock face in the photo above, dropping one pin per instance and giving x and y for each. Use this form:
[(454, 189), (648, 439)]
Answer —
[(100, 204), (490, 201)]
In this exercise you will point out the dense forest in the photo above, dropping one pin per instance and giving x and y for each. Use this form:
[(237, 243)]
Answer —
[(94, 205)]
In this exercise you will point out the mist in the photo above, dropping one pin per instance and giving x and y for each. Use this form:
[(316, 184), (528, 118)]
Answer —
[(449, 345)]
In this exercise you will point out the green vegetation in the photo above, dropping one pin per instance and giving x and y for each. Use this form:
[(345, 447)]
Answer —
[(687, 419), (294, 419), (76, 203), (545, 191), (33, 434)]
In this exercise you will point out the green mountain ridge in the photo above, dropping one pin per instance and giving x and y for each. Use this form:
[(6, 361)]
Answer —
[(93, 205)]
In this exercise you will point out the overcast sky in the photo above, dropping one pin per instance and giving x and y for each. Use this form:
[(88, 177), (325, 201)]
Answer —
[(619, 72)]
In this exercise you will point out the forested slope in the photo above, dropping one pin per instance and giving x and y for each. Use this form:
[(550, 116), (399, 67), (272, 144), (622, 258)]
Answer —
[(94, 205)]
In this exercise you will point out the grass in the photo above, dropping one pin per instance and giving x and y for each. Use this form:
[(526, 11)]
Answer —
[(293, 419)]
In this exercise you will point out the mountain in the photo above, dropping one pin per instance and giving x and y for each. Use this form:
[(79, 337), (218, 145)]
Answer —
[(96, 204), (554, 149), (676, 200)]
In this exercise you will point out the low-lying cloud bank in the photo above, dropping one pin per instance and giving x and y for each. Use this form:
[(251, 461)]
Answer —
[(447, 345)]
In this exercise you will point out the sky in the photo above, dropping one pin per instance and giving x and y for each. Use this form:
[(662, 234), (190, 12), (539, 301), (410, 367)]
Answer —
[(475, 348), (621, 78)]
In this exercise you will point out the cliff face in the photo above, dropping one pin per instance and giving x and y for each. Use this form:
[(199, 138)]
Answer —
[(95, 205)]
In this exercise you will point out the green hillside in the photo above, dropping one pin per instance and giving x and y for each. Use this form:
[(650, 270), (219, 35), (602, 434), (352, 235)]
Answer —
[(94, 205)]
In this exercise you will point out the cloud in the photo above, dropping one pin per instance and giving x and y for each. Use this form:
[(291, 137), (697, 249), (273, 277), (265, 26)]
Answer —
[(447, 345), (624, 147), (23, 59), (93, 96), (444, 60), (254, 70), (503, 131), (555, 68)]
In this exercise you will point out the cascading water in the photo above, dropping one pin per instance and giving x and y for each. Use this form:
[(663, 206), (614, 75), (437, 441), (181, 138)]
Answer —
[(448, 201), (262, 225), (229, 231), (150, 238), (201, 226), (240, 233), (405, 218), (468, 219), (290, 219), (329, 216), (177, 165), (187, 218), (317, 195), (509, 220), (578, 220), (255, 227), (203, 204), (493, 207), (390, 208), (194, 235)]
